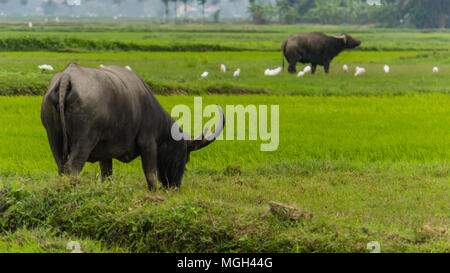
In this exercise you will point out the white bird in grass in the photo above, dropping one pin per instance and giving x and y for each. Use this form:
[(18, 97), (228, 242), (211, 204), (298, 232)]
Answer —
[(386, 68), (345, 68), (237, 72), (359, 71), (435, 69), (204, 74), (102, 66), (301, 74), (223, 68), (277, 70), (307, 69), (45, 67), (270, 73), (128, 68), (274, 72)]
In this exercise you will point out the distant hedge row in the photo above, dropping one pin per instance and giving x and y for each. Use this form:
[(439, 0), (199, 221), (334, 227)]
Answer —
[(36, 84), (12, 84), (71, 44)]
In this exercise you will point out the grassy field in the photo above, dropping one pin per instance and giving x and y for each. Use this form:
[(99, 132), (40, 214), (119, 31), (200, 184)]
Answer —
[(179, 72), (349, 129), (171, 58), (359, 159)]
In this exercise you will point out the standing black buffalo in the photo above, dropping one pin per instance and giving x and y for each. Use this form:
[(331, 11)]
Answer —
[(99, 114), (315, 48)]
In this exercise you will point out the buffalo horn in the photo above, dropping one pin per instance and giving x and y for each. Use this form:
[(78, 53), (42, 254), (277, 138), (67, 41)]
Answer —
[(343, 36), (204, 139)]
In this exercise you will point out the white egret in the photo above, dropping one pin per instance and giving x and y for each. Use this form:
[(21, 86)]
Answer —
[(345, 68), (301, 74), (359, 71), (237, 72), (45, 67)]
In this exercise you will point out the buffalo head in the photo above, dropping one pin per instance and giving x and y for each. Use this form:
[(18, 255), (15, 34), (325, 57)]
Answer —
[(174, 154), (349, 41)]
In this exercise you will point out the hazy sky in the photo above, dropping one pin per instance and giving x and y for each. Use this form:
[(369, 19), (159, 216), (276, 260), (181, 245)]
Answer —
[(131, 8)]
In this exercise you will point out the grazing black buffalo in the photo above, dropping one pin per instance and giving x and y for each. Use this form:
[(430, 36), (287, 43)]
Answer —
[(99, 114), (315, 48)]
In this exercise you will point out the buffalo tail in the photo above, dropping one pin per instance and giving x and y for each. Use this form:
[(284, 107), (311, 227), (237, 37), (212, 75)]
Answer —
[(283, 49)]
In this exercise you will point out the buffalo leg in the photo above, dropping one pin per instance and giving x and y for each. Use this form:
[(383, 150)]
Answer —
[(106, 168), (79, 154), (291, 68), (292, 58), (326, 67), (76, 161), (313, 68), (149, 157)]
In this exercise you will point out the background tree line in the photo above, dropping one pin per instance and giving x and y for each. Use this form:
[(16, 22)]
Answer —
[(411, 13), (416, 13)]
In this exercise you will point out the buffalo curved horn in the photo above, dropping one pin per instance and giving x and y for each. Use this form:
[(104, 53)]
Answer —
[(204, 139), (343, 36)]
